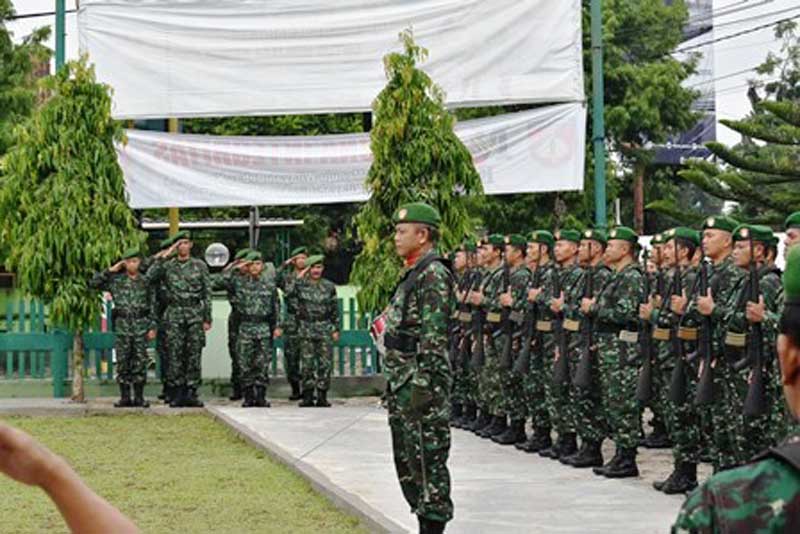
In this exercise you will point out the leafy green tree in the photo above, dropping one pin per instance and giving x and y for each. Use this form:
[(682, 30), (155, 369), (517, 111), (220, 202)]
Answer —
[(416, 157), (63, 209), (761, 173)]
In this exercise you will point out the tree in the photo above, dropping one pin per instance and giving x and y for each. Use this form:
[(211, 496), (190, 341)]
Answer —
[(760, 174), (17, 86), (63, 209), (416, 157)]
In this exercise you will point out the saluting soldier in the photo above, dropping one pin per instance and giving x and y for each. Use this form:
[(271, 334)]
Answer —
[(162, 350), (287, 275), (417, 369), (134, 323)]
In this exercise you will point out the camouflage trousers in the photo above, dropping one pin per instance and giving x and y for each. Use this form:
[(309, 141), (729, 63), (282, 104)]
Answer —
[(683, 422), (421, 447), (254, 350), (662, 374), (185, 342), (130, 346), (489, 381), (233, 341), (317, 362), (561, 397), (162, 351), (511, 385), (618, 381), (534, 391), (589, 416), (291, 356)]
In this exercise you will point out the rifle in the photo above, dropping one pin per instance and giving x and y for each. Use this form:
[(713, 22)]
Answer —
[(561, 366), (644, 384), (507, 328), (704, 394), (478, 355), (583, 374), (755, 403), (677, 385), (460, 335), (522, 364)]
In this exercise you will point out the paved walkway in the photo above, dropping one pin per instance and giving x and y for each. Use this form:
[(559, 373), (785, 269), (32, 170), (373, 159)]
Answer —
[(346, 453)]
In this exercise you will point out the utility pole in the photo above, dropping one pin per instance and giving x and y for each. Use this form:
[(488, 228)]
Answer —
[(174, 213), (60, 33), (598, 121)]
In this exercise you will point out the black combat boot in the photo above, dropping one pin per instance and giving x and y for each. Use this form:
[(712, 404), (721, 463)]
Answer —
[(430, 526), (249, 397), (456, 410), (192, 401), (178, 399), (308, 399), (658, 438), (513, 434), (138, 396), (611, 464), (590, 455), (236, 394), (261, 397), (167, 393), (480, 422), (626, 466), (569, 446), (553, 451), (486, 430), (502, 425), (322, 399), (296, 395), (163, 395), (539, 440), (658, 485), (124, 397), (685, 479), (468, 417)]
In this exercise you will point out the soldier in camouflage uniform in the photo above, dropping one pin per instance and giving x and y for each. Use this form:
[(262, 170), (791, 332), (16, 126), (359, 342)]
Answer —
[(489, 383), (792, 229), (286, 277), (591, 423), (540, 248), (459, 394), (765, 495), (311, 301), (229, 280), (564, 303), (614, 313), (134, 324), (259, 312), (161, 335), (187, 286), (417, 370), (472, 280), (514, 300)]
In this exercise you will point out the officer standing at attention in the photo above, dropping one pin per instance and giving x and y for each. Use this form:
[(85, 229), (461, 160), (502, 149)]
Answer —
[(286, 277), (417, 368), (763, 496), (134, 324)]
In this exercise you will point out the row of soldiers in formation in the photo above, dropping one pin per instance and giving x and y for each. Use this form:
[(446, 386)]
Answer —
[(570, 331), (167, 297)]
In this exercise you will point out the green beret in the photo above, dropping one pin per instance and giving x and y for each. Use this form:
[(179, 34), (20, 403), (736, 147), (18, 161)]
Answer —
[(133, 252), (595, 235), (297, 251), (417, 212), (791, 277), (183, 234), (166, 243), (469, 246), (762, 234), (683, 233), (792, 221), (568, 235), (543, 237), (516, 240), (722, 222), (317, 259), (496, 240), (242, 253), (253, 255), (623, 233), (658, 239)]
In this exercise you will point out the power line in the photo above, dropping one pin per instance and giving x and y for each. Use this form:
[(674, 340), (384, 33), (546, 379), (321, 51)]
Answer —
[(737, 34), (40, 14)]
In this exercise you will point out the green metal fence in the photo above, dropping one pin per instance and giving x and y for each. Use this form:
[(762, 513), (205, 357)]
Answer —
[(33, 350)]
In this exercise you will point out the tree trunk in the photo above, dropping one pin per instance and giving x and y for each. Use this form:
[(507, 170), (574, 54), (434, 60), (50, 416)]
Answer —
[(77, 368), (638, 199)]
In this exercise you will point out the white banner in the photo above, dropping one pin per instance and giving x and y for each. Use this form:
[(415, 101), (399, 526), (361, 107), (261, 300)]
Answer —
[(531, 151), (191, 58)]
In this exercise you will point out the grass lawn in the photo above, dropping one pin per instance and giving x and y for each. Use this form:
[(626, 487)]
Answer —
[(171, 474)]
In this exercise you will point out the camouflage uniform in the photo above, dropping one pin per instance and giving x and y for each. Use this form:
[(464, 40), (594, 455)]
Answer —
[(259, 307), (419, 383), (230, 281), (490, 381), (315, 308), (187, 286), (286, 279), (513, 398), (761, 497), (616, 310), (591, 422), (539, 374), (134, 316)]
